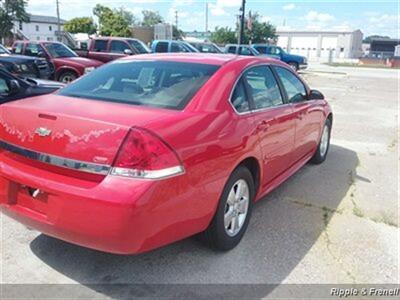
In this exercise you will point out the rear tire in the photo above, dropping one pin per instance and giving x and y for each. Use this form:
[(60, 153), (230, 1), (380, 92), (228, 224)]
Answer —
[(323, 146), (233, 213)]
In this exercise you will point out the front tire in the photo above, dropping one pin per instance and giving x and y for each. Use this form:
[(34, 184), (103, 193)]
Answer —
[(294, 66), (67, 77), (233, 213), (323, 146)]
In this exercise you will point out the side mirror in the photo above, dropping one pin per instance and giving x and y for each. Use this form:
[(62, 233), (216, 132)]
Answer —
[(42, 54), (128, 52), (297, 98), (13, 87), (316, 95)]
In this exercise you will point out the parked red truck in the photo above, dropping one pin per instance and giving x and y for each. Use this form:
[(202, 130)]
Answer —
[(106, 49), (66, 63)]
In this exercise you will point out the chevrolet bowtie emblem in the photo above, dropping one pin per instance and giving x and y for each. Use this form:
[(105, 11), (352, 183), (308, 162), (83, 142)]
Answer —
[(41, 131)]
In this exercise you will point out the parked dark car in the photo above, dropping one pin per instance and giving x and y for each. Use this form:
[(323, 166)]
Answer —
[(24, 65), (241, 50), (206, 47), (164, 46), (66, 63), (106, 49), (296, 62), (15, 87)]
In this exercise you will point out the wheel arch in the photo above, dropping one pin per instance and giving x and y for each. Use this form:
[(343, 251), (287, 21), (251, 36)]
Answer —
[(330, 117), (62, 70), (252, 164)]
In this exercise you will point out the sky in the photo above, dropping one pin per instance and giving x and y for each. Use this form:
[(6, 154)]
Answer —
[(371, 17)]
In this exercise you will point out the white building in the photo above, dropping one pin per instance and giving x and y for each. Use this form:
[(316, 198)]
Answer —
[(43, 28), (163, 31), (321, 45)]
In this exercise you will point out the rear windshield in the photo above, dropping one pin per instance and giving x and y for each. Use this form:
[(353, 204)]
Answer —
[(149, 83)]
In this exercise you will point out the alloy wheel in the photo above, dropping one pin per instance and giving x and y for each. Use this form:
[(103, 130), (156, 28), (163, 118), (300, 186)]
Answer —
[(236, 207), (323, 147)]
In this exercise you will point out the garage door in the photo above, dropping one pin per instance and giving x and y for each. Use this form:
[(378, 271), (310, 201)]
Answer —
[(328, 43), (306, 46)]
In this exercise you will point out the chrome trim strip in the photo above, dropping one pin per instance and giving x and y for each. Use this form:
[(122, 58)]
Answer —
[(56, 160), (150, 174)]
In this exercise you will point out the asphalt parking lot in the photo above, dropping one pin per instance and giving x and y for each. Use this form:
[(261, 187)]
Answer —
[(333, 223)]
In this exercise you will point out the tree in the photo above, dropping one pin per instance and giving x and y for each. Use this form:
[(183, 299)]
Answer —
[(223, 35), (127, 15), (151, 18), (11, 10), (111, 22), (81, 25), (368, 39), (177, 33), (259, 32)]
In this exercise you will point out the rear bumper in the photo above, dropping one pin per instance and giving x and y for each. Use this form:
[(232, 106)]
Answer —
[(117, 215)]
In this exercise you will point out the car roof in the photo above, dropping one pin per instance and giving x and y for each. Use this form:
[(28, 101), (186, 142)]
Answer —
[(114, 38), (205, 58), (236, 45), (37, 42), (169, 41)]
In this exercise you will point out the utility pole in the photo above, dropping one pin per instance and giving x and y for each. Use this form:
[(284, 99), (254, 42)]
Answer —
[(58, 19), (241, 24), (206, 17)]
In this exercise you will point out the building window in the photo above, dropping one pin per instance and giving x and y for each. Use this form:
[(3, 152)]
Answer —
[(342, 49), (50, 28), (20, 25), (38, 38), (37, 27), (49, 39)]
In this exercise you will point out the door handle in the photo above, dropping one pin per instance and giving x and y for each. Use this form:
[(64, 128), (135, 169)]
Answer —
[(300, 116), (264, 125)]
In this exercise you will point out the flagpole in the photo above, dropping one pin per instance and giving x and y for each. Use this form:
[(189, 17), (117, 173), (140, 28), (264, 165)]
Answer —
[(241, 33)]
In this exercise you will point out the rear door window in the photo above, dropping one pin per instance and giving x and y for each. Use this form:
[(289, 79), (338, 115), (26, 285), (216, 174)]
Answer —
[(239, 98), (263, 87), (100, 45)]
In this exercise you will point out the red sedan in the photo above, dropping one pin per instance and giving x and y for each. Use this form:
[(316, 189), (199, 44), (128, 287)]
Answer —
[(149, 150)]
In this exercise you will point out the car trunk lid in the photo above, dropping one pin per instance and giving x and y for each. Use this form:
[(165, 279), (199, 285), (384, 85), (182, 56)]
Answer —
[(70, 128)]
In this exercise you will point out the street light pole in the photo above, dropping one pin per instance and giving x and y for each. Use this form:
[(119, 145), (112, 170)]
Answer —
[(243, 11), (58, 20)]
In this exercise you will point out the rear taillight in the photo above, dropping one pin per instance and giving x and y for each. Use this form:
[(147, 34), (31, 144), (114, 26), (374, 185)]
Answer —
[(144, 155)]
